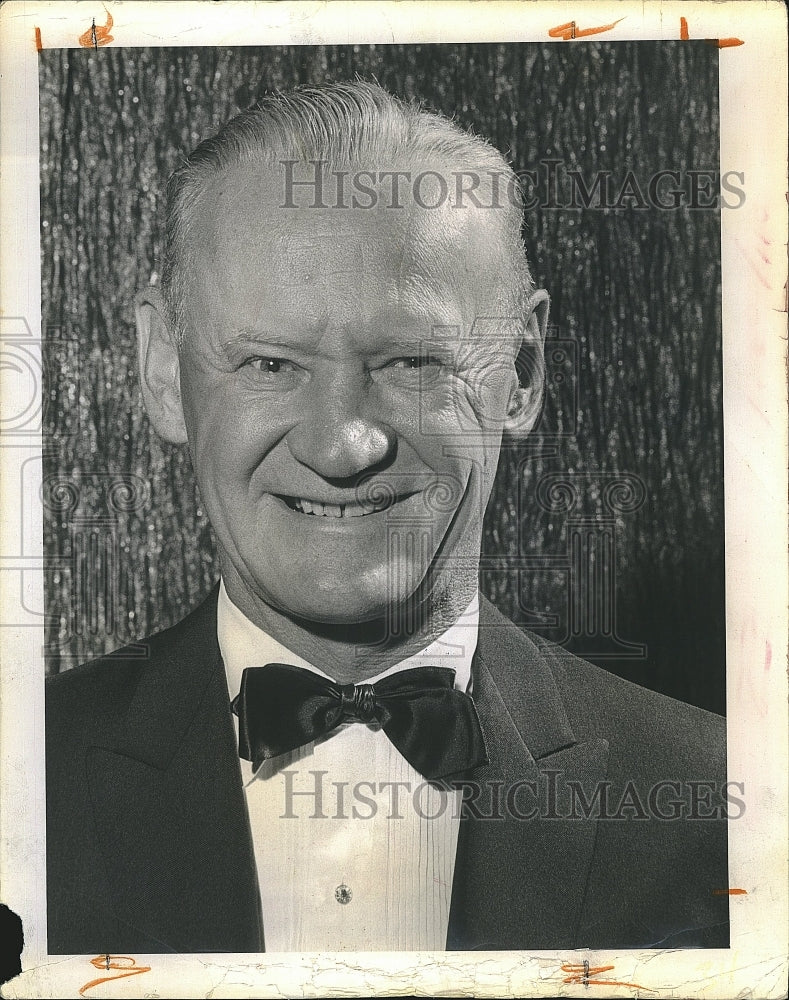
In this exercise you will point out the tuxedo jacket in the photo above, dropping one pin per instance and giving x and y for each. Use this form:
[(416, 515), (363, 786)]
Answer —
[(598, 823)]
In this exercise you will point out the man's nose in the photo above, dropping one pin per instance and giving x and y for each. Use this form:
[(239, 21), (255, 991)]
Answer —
[(340, 434)]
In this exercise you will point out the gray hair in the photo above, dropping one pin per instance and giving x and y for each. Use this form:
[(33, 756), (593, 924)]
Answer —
[(342, 123)]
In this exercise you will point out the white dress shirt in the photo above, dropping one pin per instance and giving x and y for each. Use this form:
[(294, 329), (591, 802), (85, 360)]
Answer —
[(355, 850)]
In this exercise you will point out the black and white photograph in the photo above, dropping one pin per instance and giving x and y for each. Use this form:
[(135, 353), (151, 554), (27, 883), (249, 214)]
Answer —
[(383, 487)]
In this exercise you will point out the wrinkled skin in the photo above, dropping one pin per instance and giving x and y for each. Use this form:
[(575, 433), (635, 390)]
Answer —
[(331, 357)]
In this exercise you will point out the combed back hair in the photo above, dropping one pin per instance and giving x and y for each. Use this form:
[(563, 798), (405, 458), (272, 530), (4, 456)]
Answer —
[(355, 123)]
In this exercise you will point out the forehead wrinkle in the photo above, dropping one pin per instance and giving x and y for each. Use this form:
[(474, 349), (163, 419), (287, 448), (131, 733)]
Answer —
[(311, 316), (333, 251), (442, 246), (449, 252), (417, 297), (428, 264)]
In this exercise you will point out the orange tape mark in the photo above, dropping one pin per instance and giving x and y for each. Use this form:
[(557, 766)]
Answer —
[(722, 43), (581, 975), (39, 46), (114, 962), (97, 34), (729, 892), (570, 30)]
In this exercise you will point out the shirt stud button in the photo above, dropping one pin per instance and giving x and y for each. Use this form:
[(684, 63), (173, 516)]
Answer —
[(343, 894)]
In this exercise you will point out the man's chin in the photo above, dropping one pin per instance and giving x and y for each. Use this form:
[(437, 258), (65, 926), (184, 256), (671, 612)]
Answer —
[(329, 613), (339, 603)]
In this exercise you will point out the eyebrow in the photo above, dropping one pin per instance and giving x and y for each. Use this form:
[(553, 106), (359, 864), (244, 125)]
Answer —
[(405, 341)]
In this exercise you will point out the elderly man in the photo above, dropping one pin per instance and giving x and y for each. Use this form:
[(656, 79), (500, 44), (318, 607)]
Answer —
[(345, 747)]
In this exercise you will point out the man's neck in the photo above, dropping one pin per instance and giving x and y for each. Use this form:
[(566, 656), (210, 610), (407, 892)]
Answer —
[(352, 653)]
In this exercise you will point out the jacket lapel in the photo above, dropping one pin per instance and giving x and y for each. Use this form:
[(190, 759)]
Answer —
[(521, 869), (169, 806)]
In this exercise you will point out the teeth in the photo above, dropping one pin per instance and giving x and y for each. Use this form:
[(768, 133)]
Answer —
[(335, 509)]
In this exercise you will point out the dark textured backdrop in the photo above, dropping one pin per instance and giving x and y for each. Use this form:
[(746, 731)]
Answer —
[(634, 363)]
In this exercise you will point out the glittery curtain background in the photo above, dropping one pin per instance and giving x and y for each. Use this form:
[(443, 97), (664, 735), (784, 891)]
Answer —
[(605, 531)]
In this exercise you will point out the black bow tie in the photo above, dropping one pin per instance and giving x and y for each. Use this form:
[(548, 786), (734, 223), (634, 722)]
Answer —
[(436, 728)]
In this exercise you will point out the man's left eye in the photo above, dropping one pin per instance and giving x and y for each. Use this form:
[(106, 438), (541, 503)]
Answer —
[(411, 371), (414, 362)]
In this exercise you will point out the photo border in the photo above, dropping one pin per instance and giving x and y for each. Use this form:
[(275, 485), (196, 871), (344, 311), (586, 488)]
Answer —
[(753, 64)]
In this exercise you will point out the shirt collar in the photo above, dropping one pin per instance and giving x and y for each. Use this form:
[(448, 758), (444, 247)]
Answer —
[(243, 644)]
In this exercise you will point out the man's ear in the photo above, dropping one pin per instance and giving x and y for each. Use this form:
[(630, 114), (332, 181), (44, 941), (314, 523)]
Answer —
[(160, 369), (526, 399)]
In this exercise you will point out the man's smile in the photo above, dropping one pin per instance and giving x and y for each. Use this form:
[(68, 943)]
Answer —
[(342, 509), (320, 508)]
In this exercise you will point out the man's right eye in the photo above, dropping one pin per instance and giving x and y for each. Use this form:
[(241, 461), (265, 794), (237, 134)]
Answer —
[(266, 372)]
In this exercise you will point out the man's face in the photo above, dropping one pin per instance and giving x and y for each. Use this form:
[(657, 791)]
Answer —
[(344, 415)]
